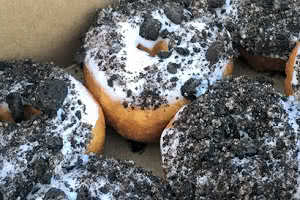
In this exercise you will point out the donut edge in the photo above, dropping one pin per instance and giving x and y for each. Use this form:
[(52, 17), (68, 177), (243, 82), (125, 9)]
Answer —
[(134, 123), (289, 71), (131, 123), (262, 63), (96, 144)]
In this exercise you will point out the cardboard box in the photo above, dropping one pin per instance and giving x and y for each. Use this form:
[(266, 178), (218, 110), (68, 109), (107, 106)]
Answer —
[(44, 30)]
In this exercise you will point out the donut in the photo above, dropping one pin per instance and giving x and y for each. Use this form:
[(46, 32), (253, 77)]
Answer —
[(45, 115), (142, 59), (266, 42), (236, 141), (292, 71), (96, 177)]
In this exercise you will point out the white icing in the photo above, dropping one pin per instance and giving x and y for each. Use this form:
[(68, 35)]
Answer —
[(23, 148), (164, 150), (19, 86), (170, 150), (295, 73), (230, 11), (7, 168), (165, 21), (65, 183), (201, 180), (137, 60), (294, 78), (293, 109), (91, 114)]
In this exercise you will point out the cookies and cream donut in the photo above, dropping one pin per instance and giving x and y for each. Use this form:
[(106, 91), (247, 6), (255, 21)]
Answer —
[(266, 31), (239, 140), (45, 115), (292, 81), (96, 177), (142, 56)]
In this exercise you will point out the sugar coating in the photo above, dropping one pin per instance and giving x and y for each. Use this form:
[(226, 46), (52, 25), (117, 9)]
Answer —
[(133, 77), (30, 150), (96, 177), (239, 140)]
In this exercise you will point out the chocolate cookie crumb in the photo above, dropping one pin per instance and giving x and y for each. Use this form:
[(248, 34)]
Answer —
[(150, 28)]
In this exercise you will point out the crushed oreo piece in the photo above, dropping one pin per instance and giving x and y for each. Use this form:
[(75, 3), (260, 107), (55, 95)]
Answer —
[(55, 194), (189, 88), (182, 51), (111, 80), (150, 28), (214, 51), (174, 12), (41, 171), (164, 33), (213, 4), (54, 143), (172, 67), (15, 104), (51, 95)]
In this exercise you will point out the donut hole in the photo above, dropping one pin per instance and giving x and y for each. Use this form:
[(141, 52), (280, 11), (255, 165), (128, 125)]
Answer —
[(28, 112), (159, 46)]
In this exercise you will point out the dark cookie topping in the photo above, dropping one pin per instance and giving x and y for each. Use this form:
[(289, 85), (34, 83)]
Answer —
[(237, 141), (150, 28), (97, 177), (273, 33), (174, 12)]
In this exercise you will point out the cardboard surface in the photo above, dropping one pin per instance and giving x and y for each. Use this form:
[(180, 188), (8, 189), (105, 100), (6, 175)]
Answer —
[(44, 30)]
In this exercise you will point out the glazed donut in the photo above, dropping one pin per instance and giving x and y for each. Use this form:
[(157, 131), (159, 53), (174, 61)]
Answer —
[(292, 73), (96, 177), (143, 58), (45, 115), (236, 141)]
